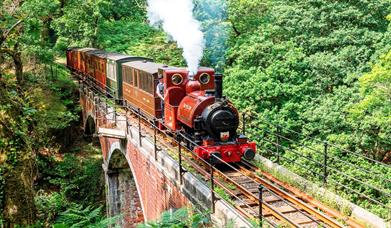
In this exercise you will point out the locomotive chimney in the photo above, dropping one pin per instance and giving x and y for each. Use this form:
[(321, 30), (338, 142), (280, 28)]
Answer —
[(218, 86), (191, 76)]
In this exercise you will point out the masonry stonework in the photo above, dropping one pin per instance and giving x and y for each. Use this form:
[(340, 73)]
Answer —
[(140, 186)]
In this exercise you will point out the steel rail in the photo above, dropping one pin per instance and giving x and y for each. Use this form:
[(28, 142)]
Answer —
[(314, 203), (324, 218), (206, 174), (250, 195), (265, 205), (253, 197)]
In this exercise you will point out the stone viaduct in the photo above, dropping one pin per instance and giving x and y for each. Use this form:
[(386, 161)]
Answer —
[(140, 182)]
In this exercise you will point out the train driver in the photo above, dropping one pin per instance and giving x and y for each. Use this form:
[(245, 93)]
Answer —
[(160, 93)]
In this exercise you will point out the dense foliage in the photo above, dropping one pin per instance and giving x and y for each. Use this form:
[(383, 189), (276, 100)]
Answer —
[(319, 68), (299, 63)]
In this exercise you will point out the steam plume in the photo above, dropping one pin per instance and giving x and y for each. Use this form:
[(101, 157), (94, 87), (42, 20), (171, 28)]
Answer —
[(176, 18)]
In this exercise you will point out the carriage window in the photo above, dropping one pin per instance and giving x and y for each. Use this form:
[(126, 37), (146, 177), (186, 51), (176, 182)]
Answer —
[(142, 80), (150, 84), (130, 75), (123, 74), (136, 77), (146, 82), (126, 75), (110, 71)]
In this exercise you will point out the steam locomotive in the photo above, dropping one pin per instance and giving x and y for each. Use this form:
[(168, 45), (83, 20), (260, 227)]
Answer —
[(193, 104)]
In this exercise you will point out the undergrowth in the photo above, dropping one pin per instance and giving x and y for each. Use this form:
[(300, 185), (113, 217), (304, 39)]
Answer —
[(39, 122), (184, 217)]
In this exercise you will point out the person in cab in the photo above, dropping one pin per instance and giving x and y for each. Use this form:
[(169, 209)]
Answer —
[(160, 93)]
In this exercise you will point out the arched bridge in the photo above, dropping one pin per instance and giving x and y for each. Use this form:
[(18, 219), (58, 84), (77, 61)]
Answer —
[(142, 179)]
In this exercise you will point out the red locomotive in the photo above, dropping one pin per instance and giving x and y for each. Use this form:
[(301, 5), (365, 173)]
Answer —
[(193, 104)]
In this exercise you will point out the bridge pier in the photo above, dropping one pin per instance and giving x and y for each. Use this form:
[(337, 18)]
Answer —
[(122, 197)]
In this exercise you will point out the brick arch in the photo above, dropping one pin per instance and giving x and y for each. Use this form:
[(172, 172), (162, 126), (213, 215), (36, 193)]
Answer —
[(122, 195), (89, 126)]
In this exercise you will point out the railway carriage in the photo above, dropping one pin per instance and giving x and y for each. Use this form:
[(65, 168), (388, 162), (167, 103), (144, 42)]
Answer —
[(82, 67), (76, 58), (139, 86), (114, 72), (98, 64), (72, 58)]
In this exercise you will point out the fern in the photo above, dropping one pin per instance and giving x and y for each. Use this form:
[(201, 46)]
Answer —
[(84, 217), (177, 219)]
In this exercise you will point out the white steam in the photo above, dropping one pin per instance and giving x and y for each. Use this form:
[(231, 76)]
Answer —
[(176, 18)]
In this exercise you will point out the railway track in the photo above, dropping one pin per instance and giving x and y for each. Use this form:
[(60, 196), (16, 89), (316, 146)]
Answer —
[(323, 214), (276, 210), (281, 208), (282, 205)]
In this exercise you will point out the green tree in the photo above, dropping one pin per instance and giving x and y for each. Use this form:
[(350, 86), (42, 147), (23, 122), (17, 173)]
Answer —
[(79, 23), (299, 57), (371, 116), (11, 29), (24, 25)]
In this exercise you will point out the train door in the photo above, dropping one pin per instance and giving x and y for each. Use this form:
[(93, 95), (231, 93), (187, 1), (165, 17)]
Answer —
[(111, 78), (127, 84)]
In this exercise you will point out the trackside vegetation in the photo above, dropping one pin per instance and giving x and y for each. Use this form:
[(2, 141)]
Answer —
[(318, 68)]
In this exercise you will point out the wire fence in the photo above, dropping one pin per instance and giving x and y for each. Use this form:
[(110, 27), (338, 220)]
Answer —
[(362, 180)]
